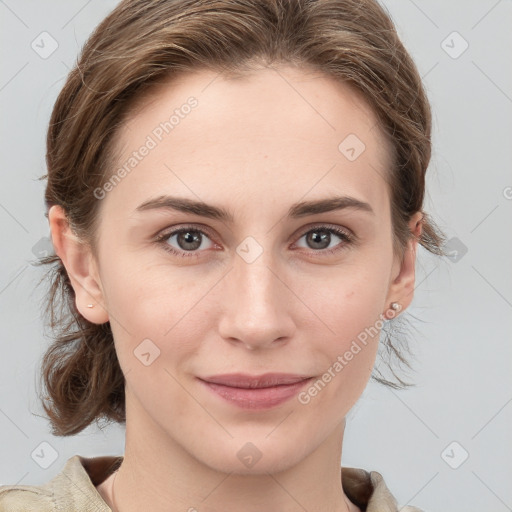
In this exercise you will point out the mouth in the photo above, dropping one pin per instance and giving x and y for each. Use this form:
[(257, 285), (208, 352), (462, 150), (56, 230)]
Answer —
[(255, 392), (267, 380)]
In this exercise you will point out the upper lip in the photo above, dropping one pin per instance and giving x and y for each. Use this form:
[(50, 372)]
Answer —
[(266, 380)]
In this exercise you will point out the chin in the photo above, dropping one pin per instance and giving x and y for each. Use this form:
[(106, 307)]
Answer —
[(245, 457)]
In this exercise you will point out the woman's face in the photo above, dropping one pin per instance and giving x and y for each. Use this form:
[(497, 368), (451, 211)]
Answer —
[(269, 286)]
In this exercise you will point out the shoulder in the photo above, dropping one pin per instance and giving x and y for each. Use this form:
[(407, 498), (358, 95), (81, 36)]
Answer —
[(382, 496), (368, 490), (19, 498), (74, 488)]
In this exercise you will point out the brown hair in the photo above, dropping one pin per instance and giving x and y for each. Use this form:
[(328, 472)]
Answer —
[(144, 42)]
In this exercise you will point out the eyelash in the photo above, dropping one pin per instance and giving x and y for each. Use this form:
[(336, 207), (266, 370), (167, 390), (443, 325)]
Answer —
[(162, 239)]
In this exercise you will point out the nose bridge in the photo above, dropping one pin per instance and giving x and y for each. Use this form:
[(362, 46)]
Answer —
[(256, 286), (255, 307)]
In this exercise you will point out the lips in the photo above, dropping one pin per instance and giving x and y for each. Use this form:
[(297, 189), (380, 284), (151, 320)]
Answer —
[(244, 381), (255, 392)]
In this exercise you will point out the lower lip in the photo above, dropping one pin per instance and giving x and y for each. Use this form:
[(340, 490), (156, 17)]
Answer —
[(259, 398)]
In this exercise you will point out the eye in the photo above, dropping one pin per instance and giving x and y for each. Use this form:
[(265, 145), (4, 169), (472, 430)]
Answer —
[(189, 241), (321, 237)]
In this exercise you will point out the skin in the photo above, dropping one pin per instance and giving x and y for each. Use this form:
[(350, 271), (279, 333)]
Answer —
[(254, 146)]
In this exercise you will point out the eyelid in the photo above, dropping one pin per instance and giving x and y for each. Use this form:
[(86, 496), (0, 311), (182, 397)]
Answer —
[(172, 230), (167, 232), (347, 236), (327, 225)]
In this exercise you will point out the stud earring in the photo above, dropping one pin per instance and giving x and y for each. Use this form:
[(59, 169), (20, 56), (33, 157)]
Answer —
[(395, 307), (90, 305)]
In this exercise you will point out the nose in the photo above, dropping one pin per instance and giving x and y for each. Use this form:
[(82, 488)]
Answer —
[(257, 305)]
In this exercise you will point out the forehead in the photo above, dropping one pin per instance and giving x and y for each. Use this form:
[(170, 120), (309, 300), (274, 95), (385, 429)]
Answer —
[(250, 138)]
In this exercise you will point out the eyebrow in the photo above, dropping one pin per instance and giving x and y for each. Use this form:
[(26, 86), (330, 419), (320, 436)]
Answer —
[(297, 210)]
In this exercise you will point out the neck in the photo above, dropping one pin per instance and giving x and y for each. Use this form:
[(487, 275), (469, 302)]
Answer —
[(157, 473)]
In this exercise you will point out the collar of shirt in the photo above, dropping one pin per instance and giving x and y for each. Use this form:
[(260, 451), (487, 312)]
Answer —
[(74, 488)]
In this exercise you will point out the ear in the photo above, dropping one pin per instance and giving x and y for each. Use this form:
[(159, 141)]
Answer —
[(401, 288), (80, 265)]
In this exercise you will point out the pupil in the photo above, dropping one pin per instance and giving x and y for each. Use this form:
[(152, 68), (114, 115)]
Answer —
[(320, 239), (190, 238)]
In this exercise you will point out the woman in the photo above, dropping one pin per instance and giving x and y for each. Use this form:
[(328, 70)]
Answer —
[(235, 194)]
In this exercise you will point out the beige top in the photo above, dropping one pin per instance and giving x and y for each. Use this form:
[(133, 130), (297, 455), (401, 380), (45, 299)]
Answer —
[(74, 489)]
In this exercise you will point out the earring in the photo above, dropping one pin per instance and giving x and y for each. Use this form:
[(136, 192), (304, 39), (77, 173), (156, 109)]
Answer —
[(395, 307), (90, 305)]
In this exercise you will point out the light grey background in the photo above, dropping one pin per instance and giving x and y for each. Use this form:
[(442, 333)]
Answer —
[(463, 306)]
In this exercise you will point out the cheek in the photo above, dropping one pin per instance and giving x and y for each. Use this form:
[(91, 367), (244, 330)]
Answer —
[(142, 294), (155, 303), (346, 357), (350, 300), (349, 309)]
